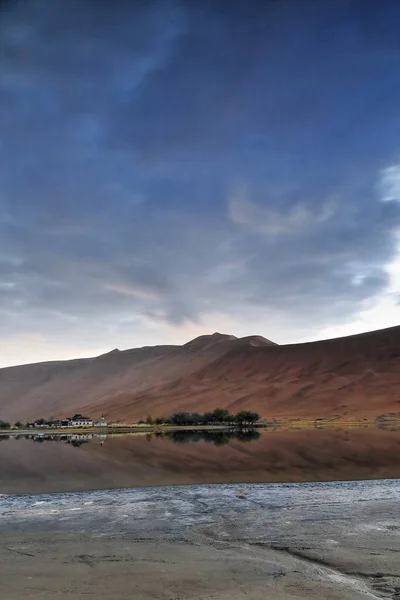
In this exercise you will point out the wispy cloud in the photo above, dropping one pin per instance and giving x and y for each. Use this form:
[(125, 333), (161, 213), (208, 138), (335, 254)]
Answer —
[(389, 184), (272, 221)]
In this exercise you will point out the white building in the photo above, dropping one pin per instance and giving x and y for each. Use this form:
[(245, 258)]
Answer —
[(80, 421)]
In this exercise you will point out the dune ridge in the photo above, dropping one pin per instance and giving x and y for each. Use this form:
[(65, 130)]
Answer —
[(355, 376)]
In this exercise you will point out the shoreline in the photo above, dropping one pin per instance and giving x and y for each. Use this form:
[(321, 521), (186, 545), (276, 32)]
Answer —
[(174, 486), (282, 424)]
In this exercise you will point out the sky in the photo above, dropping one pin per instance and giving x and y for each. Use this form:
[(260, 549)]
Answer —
[(174, 168)]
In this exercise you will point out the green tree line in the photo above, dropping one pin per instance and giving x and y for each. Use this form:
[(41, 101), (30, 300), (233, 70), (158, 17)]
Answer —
[(218, 416)]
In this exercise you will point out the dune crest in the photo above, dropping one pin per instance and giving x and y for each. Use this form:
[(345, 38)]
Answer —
[(354, 376)]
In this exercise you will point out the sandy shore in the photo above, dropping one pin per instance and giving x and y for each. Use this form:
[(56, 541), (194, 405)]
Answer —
[(325, 541)]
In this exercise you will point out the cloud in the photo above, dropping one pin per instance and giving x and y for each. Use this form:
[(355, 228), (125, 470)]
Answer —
[(124, 134), (390, 184), (270, 221)]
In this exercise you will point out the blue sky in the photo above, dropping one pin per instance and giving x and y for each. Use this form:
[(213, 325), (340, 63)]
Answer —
[(169, 169)]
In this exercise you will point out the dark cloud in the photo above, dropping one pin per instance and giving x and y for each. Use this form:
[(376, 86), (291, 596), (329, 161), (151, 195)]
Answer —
[(181, 159)]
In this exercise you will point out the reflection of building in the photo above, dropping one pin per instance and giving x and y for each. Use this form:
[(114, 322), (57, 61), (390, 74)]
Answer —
[(70, 438), (79, 437), (101, 422)]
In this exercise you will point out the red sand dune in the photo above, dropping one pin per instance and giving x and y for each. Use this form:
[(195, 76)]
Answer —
[(353, 376)]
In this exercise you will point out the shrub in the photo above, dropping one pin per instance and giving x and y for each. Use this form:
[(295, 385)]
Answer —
[(217, 416), (247, 417)]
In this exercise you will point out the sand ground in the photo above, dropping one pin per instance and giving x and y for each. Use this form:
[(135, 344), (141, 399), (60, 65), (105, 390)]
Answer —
[(326, 541)]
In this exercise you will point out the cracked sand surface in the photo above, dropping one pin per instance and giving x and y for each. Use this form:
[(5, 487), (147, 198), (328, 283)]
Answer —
[(327, 541)]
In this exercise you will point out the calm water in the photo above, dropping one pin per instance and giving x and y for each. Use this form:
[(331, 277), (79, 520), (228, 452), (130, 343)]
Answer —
[(40, 464)]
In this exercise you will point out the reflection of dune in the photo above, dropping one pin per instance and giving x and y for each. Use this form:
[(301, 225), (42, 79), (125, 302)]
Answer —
[(353, 376), (125, 461)]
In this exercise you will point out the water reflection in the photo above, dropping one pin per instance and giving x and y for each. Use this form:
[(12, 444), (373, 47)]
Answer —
[(218, 437), (81, 461), (69, 438)]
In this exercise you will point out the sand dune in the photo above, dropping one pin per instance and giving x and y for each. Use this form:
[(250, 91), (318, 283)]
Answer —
[(352, 376)]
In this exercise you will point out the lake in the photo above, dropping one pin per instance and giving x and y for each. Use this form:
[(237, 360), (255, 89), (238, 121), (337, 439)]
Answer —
[(40, 464)]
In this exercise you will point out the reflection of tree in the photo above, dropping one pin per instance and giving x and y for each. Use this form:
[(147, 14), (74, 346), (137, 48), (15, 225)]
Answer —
[(216, 437), (248, 435)]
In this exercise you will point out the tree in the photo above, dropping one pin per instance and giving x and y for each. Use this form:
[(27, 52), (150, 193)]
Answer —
[(18, 424), (218, 415), (4, 425), (253, 417), (180, 418), (186, 418), (221, 415), (208, 418), (149, 420), (247, 417), (197, 418)]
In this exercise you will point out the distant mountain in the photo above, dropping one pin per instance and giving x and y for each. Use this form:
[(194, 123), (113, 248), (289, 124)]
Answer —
[(353, 376)]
